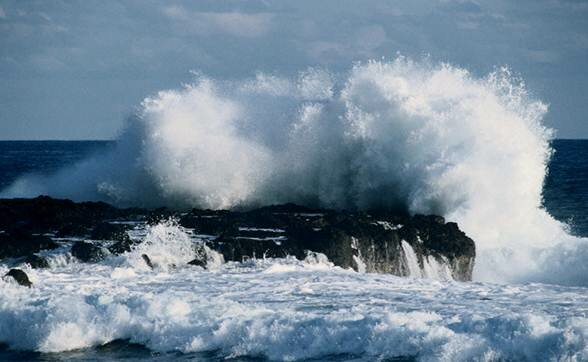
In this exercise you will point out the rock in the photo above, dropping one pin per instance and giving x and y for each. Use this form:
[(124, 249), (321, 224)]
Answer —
[(145, 258), (70, 230), (44, 214), (65, 218), (19, 242), (201, 256), (36, 262), (373, 241), (198, 262), (109, 231), (20, 277), (157, 215), (364, 241), (121, 247), (87, 252)]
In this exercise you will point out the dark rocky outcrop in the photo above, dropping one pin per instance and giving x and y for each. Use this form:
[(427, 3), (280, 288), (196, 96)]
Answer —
[(374, 241), (20, 277), (110, 231), (18, 242), (360, 240), (122, 247), (87, 252), (65, 218)]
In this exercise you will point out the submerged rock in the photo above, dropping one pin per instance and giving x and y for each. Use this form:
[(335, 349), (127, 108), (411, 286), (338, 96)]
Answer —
[(20, 277), (87, 252)]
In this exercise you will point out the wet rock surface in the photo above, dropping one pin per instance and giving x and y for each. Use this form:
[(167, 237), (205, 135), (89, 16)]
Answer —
[(20, 277), (378, 241), (364, 241), (19, 241), (87, 252)]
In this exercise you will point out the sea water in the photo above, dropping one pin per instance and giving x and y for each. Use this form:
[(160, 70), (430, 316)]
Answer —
[(404, 135)]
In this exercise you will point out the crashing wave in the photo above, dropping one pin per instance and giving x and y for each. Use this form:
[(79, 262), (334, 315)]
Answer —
[(400, 135)]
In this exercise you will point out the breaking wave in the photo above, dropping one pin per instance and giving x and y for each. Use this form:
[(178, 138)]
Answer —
[(404, 135)]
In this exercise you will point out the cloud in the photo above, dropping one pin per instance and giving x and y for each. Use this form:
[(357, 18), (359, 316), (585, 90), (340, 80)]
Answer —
[(541, 56), (234, 23), (142, 46)]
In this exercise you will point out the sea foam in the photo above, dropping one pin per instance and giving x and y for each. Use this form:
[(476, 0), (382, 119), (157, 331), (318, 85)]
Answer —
[(285, 309)]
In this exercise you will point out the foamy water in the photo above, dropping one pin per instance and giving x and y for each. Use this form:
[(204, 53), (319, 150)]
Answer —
[(427, 138), (283, 309)]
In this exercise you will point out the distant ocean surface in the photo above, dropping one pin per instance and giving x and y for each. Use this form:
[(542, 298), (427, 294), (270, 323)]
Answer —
[(565, 191), (18, 158)]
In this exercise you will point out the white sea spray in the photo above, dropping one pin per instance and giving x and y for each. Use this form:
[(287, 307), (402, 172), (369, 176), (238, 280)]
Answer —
[(402, 135)]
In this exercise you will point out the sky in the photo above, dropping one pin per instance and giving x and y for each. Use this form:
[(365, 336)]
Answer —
[(78, 69)]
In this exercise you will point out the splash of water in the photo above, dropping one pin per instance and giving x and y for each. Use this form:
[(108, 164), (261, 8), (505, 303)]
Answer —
[(402, 135)]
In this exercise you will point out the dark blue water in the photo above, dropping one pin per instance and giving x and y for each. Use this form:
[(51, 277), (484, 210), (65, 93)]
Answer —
[(43, 157), (565, 194), (565, 191)]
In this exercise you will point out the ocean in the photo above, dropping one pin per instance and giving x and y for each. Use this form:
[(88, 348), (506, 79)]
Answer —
[(284, 309), (401, 135)]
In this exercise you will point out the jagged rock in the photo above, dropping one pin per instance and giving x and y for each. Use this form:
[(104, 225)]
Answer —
[(87, 252), (36, 262), (20, 277), (147, 261), (375, 241), (19, 242), (364, 241)]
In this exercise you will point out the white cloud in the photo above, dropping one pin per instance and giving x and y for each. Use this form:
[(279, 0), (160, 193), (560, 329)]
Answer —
[(233, 23), (2, 13)]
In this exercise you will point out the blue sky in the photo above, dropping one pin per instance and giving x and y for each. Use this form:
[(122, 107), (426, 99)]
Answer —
[(77, 69)]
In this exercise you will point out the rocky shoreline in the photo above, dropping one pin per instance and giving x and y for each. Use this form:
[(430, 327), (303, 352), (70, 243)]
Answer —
[(375, 242)]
